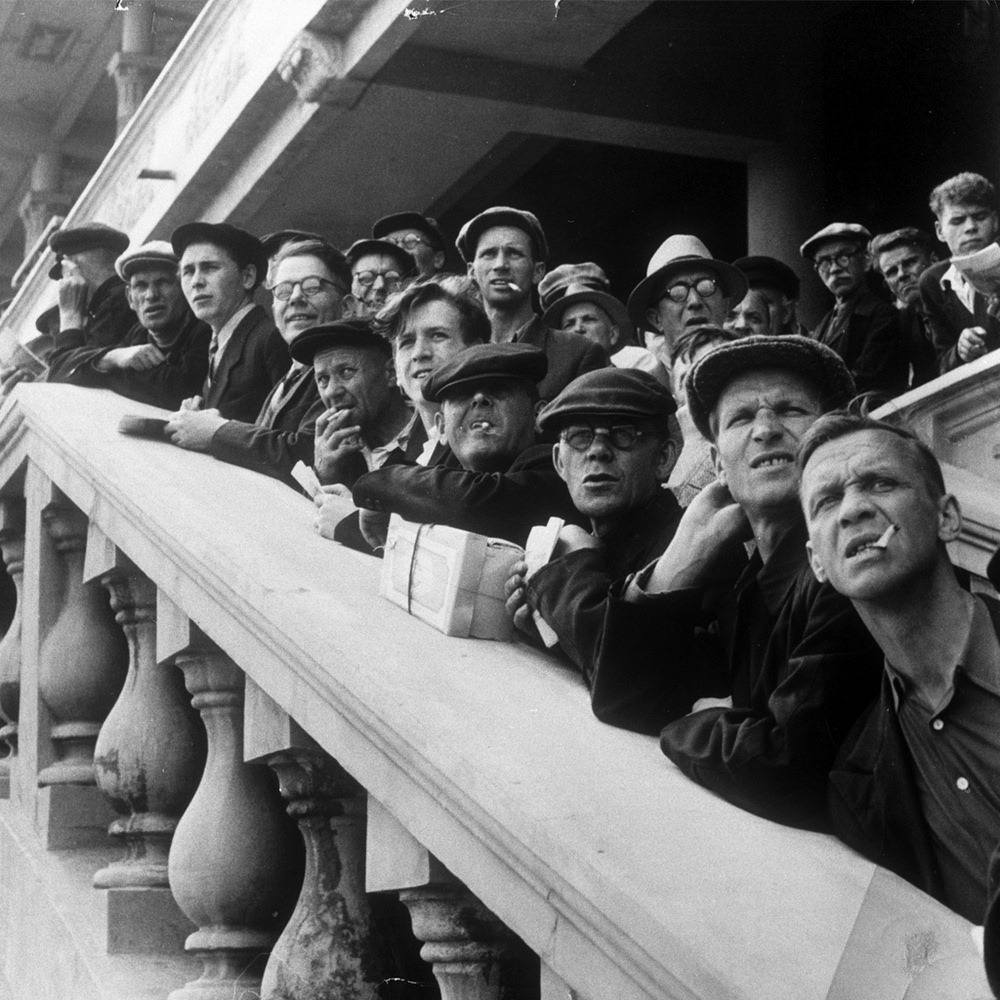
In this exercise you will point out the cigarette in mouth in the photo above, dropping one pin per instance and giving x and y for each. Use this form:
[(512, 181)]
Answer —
[(516, 287), (883, 540)]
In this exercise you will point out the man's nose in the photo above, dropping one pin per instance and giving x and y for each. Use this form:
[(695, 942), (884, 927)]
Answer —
[(855, 505), (766, 424), (600, 448)]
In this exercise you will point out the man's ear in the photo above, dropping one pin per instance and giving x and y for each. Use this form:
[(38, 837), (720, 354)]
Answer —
[(128, 297), (538, 272), (615, 336), (720, 473), (439, 423), (666, 459), (390, 371), (557, 461), (438, 260), (949, 518), (248, 277), (938, 232), (348, 306), (817, 569), (653, 319)]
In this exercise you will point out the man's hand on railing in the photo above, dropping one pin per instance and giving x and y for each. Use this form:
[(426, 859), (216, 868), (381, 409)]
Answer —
[(333, 504), (139, 358), (193, 428), (517, 602), (374, 527)]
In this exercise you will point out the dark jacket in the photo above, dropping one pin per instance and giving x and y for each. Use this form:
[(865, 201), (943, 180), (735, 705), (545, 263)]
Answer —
[(947, 317), (253, 360), (869, 344), (180, 376), (499, 504), (793, 654), (572, 593), (568, 354), (109, 320), (915, 334), (873, 797), (274, 442)]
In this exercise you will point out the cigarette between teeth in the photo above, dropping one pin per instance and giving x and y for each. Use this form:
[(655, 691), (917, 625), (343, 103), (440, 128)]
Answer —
[(883, 539)]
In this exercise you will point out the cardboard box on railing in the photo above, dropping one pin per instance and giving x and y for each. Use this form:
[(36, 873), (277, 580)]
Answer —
[(451, 579)]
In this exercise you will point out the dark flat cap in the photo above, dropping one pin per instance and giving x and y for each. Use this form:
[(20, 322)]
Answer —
[(342, 333), (771, 272), (156, 253), (908, 236), (360, 248), (486, 361), (273, 242), (801, 355), (502, 215), (569, 284), (95, 236), (244, 247), (609, 392), (835, 231), (410, 220)]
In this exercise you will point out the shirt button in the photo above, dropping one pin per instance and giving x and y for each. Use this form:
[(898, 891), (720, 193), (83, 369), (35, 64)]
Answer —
[(963, 784), (937, 724)]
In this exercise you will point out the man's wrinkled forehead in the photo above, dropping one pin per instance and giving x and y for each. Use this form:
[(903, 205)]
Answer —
[(147, 275), (769, 383)]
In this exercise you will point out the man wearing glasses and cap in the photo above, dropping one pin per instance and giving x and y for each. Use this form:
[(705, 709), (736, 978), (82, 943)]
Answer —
[(419, 235), (378, 269), (860, 327)]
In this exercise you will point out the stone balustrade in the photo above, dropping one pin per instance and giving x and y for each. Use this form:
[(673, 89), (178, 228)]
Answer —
[(297, 754)]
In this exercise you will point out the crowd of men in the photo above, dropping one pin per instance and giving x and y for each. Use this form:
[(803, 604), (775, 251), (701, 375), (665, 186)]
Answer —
[(750, 567)]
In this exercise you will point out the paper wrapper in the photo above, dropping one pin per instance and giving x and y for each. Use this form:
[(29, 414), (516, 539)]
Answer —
[(451, 579)]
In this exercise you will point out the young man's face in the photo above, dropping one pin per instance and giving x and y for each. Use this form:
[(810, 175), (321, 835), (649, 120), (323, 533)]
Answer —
[(901, 266), (853, 489), (504, 267), (758, 423), (966, 228), (488, 423), (432, 334), (300, 311), (213, 283)]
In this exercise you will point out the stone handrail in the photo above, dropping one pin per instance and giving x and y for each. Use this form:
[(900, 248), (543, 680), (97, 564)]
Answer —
[(482, 764)]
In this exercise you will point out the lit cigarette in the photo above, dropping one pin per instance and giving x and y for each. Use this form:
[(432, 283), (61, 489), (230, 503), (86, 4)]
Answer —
[(883, 540)]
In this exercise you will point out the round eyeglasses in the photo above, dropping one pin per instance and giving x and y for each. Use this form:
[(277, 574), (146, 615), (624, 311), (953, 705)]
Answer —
[(410, 243), (623, 437), (311, 287), (823, 264), (366, 279), (680, 290)]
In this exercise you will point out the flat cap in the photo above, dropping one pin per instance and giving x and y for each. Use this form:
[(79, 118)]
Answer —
[(908, 236), (609, 392), (677, 253), (360, 248), (835, 231), (802, 355), (410, 220), (568, 284), (341, 333), (156, 253), (502, 215), (273, 242), (769, 271), (95, 236), (486, 361), (244, 247)]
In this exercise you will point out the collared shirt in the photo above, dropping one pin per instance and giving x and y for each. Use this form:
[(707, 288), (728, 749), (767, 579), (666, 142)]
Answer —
[(220, 339), (375, 458), (954, 280), (281, 392), (956, 762)]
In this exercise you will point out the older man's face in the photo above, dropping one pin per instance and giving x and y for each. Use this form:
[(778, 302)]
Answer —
[(589, 320), (607, 477), (155, 295), (841, 266), (758, 423), (375, 277), (428, 258), (901, 266), (358, 379), (688, 299)]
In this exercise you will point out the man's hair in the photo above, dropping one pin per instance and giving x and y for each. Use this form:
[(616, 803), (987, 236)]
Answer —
[(840, 423), (332, 259), (909, 236), (689, 342), (454, 289), (963, 189)]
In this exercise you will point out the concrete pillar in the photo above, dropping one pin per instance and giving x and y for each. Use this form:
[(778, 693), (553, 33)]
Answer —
[(134, 67), (45, 199)]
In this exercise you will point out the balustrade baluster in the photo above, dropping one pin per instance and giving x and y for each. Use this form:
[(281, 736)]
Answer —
[(151, 748), (235, 861), (82, 659), (12, 549)]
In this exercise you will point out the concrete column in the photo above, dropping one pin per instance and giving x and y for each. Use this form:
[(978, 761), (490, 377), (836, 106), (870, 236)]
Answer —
[(45, 199), (135, 67)]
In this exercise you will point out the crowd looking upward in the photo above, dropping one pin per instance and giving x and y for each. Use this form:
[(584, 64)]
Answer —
[(749, 567)]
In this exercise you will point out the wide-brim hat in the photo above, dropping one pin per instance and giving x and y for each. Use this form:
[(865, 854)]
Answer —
[(95, 236), (609, 392), (769, 271), (675, 254), (615, 309), (502, 215), (156, 253), (486, 361), (410, 220), (853, 231), (815, 361), (361, 248), (341, 333), (244, 247)]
